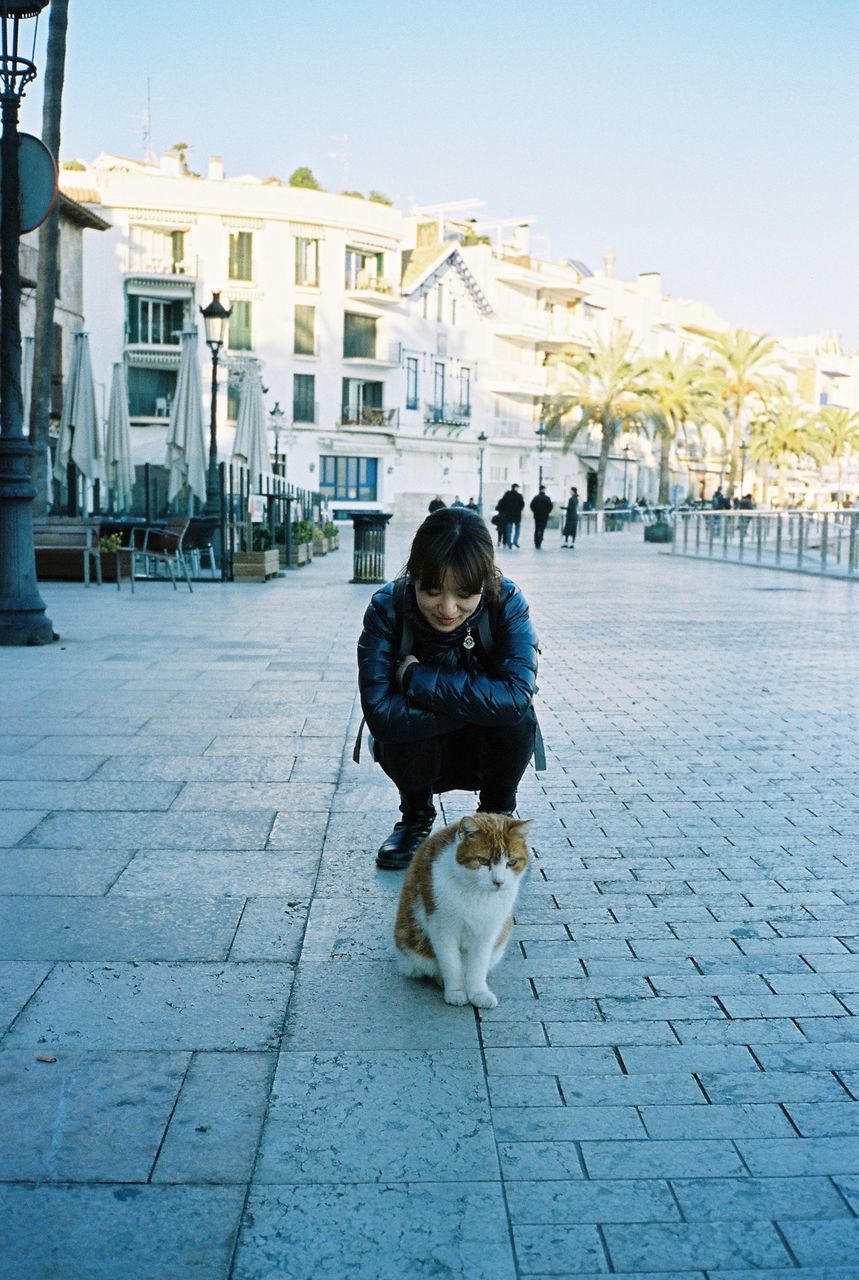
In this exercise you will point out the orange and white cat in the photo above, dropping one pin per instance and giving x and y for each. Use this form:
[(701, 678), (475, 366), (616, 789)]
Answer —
[(456, 905)]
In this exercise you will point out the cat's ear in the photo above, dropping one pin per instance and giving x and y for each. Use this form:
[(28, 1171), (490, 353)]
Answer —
[(519, 824), (468, 827)]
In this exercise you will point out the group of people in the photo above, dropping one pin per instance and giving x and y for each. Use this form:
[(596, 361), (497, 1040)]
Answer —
[(508, 515)]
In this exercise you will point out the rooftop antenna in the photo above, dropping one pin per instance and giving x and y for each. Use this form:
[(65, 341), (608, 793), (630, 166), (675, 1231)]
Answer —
[(146, 121)]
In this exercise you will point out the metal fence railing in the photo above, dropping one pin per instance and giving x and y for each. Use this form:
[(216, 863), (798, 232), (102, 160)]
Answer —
[(824, 542)]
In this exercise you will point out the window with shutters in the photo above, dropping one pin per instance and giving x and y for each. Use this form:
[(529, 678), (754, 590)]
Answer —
[(303, 397), (349, 479), (307, 262), (305, 331), (241, 255), (240, 335), (155, 321), (359, 337), (412, 388)]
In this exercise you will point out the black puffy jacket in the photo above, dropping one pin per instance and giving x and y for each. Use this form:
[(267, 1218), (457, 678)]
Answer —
[(449, 686)]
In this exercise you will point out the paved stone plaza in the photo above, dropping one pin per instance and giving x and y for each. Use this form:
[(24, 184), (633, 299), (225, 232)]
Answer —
[(193, 928)]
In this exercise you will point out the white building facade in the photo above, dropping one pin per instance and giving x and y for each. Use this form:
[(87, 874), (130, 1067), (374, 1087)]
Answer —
[(408, 357)]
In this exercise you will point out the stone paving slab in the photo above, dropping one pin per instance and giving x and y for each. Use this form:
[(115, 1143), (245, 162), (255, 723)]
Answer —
[(670, 1084)]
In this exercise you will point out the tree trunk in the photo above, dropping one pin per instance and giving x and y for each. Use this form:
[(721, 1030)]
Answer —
[(49, 239), (602, 466), (664, 470)]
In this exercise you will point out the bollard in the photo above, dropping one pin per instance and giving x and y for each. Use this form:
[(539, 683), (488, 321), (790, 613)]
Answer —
[(368, 561)]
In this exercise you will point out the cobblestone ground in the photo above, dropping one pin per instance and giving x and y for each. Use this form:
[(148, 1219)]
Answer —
[(211, 1067)]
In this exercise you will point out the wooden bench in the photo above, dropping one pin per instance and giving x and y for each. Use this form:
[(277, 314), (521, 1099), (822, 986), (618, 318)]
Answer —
[(65, 547)]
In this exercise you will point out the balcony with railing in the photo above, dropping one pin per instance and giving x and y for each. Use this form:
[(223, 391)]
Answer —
[(365, 286), (373, 416), (450, 417), (139, 260)]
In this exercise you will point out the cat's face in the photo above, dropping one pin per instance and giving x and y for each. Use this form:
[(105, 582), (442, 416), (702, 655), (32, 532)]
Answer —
[(492, 848)]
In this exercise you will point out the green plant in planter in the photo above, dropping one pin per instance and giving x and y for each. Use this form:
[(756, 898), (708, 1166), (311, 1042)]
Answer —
[(110, 542), (302, 532), (261, 539), (329, 529)]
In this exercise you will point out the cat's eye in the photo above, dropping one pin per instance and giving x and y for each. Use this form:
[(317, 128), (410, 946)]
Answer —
[(484, 862)]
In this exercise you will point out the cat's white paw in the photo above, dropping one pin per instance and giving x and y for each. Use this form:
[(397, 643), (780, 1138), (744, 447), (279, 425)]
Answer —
[(455, 995), (484, 999)]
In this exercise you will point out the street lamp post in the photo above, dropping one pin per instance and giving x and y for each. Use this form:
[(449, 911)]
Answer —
[(481, 443), (541, 437), (277, 416), (625, 465), (215, 317), (22, 610)]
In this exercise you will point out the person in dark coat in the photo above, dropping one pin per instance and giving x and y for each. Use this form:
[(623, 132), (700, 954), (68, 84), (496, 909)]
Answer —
[(436, 504), (541, 506), (571, 518), (449, 715), (510, 507)]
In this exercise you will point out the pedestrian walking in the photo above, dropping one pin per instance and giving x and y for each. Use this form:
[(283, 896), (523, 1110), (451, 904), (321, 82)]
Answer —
[(437, 504), (571, 518), (457, 501), (510, 507), (541, 506), (447, 668), (472, 504)]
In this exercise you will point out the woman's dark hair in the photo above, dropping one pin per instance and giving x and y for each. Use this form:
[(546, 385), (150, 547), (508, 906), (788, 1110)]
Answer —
[(453, 539)]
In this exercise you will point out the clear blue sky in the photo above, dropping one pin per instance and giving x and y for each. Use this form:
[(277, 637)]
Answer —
[(716, 141)]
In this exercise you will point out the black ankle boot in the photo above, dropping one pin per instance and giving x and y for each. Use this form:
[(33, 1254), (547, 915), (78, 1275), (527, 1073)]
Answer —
[(397, 851)]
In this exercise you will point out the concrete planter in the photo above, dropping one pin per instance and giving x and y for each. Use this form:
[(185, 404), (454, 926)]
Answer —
[(658, 532), (255, 566)]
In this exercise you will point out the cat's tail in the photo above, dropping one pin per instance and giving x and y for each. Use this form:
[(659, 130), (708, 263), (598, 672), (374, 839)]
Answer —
[(412, 965)]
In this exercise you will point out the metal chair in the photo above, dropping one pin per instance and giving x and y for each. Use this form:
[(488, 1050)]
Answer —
[(197, 544), (157, 548)]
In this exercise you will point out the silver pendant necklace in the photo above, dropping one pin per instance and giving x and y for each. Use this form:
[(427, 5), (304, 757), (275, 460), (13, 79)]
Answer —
[(468, 642)]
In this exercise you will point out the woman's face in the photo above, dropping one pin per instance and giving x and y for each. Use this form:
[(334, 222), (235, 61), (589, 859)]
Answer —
[(446, 607)]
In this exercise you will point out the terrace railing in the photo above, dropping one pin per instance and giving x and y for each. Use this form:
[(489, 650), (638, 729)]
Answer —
[(822, 542)]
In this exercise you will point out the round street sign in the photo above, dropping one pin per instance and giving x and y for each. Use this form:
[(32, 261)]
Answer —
[(37, 175)]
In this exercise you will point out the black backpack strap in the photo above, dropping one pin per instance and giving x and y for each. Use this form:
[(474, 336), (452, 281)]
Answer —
[(539, 750), (356, 750)]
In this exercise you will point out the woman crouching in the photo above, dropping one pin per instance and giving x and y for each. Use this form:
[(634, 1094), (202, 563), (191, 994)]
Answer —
[(447, 669)]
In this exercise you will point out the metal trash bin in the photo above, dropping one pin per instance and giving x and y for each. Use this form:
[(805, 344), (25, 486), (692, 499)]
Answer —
[(368, 561)]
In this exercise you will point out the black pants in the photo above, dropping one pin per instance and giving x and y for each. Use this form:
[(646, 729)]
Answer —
[(475, 758), (539, 530)]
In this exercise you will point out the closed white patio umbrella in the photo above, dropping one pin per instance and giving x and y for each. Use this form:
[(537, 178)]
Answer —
[(186, 443), (251, 443), (80, 436), (120, 472)]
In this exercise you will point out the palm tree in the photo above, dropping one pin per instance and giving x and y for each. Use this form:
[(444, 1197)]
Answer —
[(49, 238), (680, 398), (605, 385), (785, 433), (742, 360), (839, 436)]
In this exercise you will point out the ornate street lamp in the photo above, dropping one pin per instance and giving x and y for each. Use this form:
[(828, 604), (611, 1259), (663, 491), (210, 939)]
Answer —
[(277, 416), (625, 465), (216, 319), (541, 437), (22, 610), (481, 443)]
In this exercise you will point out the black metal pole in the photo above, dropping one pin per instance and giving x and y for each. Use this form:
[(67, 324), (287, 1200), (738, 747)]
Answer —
[(212, 500), (22, 609)]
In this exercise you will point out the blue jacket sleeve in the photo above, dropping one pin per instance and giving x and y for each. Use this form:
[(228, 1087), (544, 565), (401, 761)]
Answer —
[(390, 716), (501, 696)]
